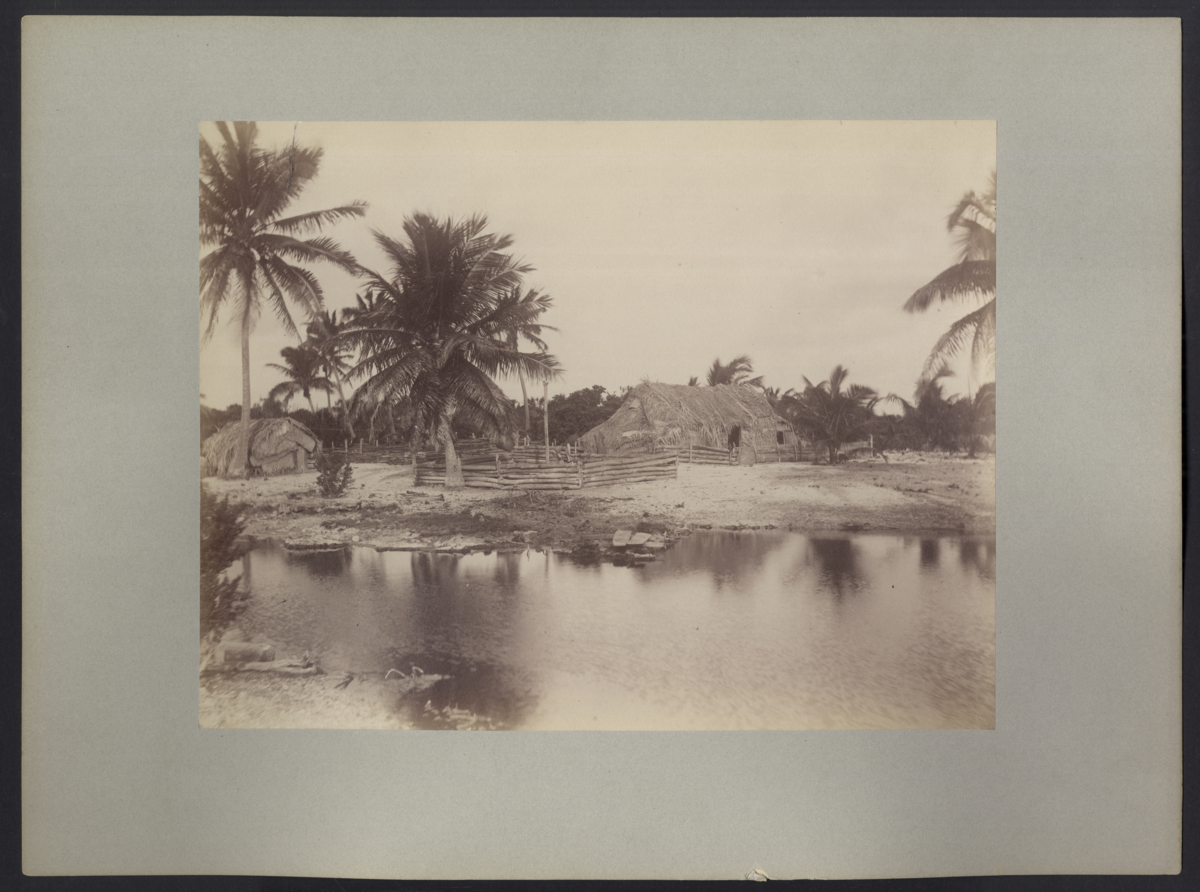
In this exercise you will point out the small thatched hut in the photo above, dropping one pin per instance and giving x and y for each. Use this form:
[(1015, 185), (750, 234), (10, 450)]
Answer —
[(658, 416), (277, 446)]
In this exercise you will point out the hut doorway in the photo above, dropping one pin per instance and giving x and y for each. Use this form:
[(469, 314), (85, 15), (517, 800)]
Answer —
[(735, 437)]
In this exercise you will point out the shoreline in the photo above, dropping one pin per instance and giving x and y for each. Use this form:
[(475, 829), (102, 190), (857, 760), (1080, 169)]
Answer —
[(914, 493)]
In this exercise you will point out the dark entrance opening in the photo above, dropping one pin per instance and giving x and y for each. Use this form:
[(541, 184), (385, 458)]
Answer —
[(735, 436)]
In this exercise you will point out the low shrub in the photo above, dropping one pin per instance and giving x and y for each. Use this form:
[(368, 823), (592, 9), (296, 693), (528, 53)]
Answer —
[(334, 474), (220, 525)]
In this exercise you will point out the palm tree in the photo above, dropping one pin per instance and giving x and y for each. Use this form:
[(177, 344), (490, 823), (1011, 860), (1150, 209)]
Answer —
[(304, 368), (775, 396), (530, 331), (972, 278), (933, 420), (440, 329), (831, 415), (323, 338), (737, 371), (244, 191)]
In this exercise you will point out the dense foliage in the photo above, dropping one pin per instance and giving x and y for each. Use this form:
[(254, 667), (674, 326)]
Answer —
[(828, 414), (220, 525), (933, 421), (574, 414), (334, 473), (440, 329)]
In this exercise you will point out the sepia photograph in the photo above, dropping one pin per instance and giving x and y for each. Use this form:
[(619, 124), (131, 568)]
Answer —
[(598, 425)]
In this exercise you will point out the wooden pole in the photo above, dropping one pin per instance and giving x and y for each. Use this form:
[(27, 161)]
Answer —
[(546, 416)]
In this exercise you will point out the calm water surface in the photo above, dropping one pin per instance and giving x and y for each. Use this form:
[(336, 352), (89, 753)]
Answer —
[(727, 630)]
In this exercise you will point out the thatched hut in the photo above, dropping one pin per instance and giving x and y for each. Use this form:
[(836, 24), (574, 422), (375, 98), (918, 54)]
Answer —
[(277, 446), (660, 416)]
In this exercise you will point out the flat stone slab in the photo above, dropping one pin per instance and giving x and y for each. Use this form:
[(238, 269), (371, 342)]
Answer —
[(280, 667), (245, 652), (639, 538), (621, 538)]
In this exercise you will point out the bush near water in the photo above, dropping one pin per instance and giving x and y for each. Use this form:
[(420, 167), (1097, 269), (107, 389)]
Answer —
[(221, 523), (334, 473)]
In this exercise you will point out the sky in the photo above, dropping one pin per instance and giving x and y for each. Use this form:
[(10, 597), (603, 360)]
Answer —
[(665, 244)]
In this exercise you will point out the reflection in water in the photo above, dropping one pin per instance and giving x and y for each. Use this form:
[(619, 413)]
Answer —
[(930, 553), (727, 630), (836, 559)]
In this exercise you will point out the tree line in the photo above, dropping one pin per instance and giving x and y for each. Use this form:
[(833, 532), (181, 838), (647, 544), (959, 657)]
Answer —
[(428, 337)]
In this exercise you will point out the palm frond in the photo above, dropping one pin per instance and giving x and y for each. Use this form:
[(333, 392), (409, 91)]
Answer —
[(976, 328), (313, 221), (969, 279)]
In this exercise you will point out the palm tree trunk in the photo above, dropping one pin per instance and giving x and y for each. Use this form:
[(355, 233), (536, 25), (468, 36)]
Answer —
[(244, 445), (524, 399), (415, 446), (349, 425), (454, 474)]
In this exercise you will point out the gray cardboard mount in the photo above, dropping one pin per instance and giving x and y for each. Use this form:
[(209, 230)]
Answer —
[(1081, 775)]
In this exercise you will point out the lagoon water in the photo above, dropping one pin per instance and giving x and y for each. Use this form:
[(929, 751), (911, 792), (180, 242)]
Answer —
[(726, 630)]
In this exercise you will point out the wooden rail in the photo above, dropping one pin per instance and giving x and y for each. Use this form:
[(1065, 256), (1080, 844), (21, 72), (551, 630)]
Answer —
[(517, 471)]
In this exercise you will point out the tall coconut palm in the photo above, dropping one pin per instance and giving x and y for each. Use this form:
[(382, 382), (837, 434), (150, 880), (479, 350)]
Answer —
[(336, 358), (736, 371), (972, 278), (304, 369), (440, 329), (832, 415), (531, 331), (244, 191)]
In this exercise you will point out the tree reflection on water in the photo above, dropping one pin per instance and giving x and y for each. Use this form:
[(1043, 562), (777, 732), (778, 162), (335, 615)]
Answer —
[(930, 554), (730, 629), (726, 556), (837, 561)]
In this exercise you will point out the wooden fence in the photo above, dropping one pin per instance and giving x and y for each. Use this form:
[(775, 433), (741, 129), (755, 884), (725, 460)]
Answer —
[(521, 472), (469, 450)]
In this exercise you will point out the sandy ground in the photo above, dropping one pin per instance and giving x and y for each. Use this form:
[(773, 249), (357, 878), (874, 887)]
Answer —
[(911, 493)]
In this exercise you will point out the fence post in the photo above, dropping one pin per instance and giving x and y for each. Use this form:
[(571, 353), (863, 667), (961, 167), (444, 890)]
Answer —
[(546, 416)]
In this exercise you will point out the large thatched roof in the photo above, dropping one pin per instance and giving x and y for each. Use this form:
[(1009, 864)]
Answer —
[(271, 439), (656, 415)]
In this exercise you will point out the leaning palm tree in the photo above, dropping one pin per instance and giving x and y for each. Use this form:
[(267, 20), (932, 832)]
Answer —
[(439, 331), (831, 415), (244, 191), (304, 370), (972, 278), (736, 371)]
